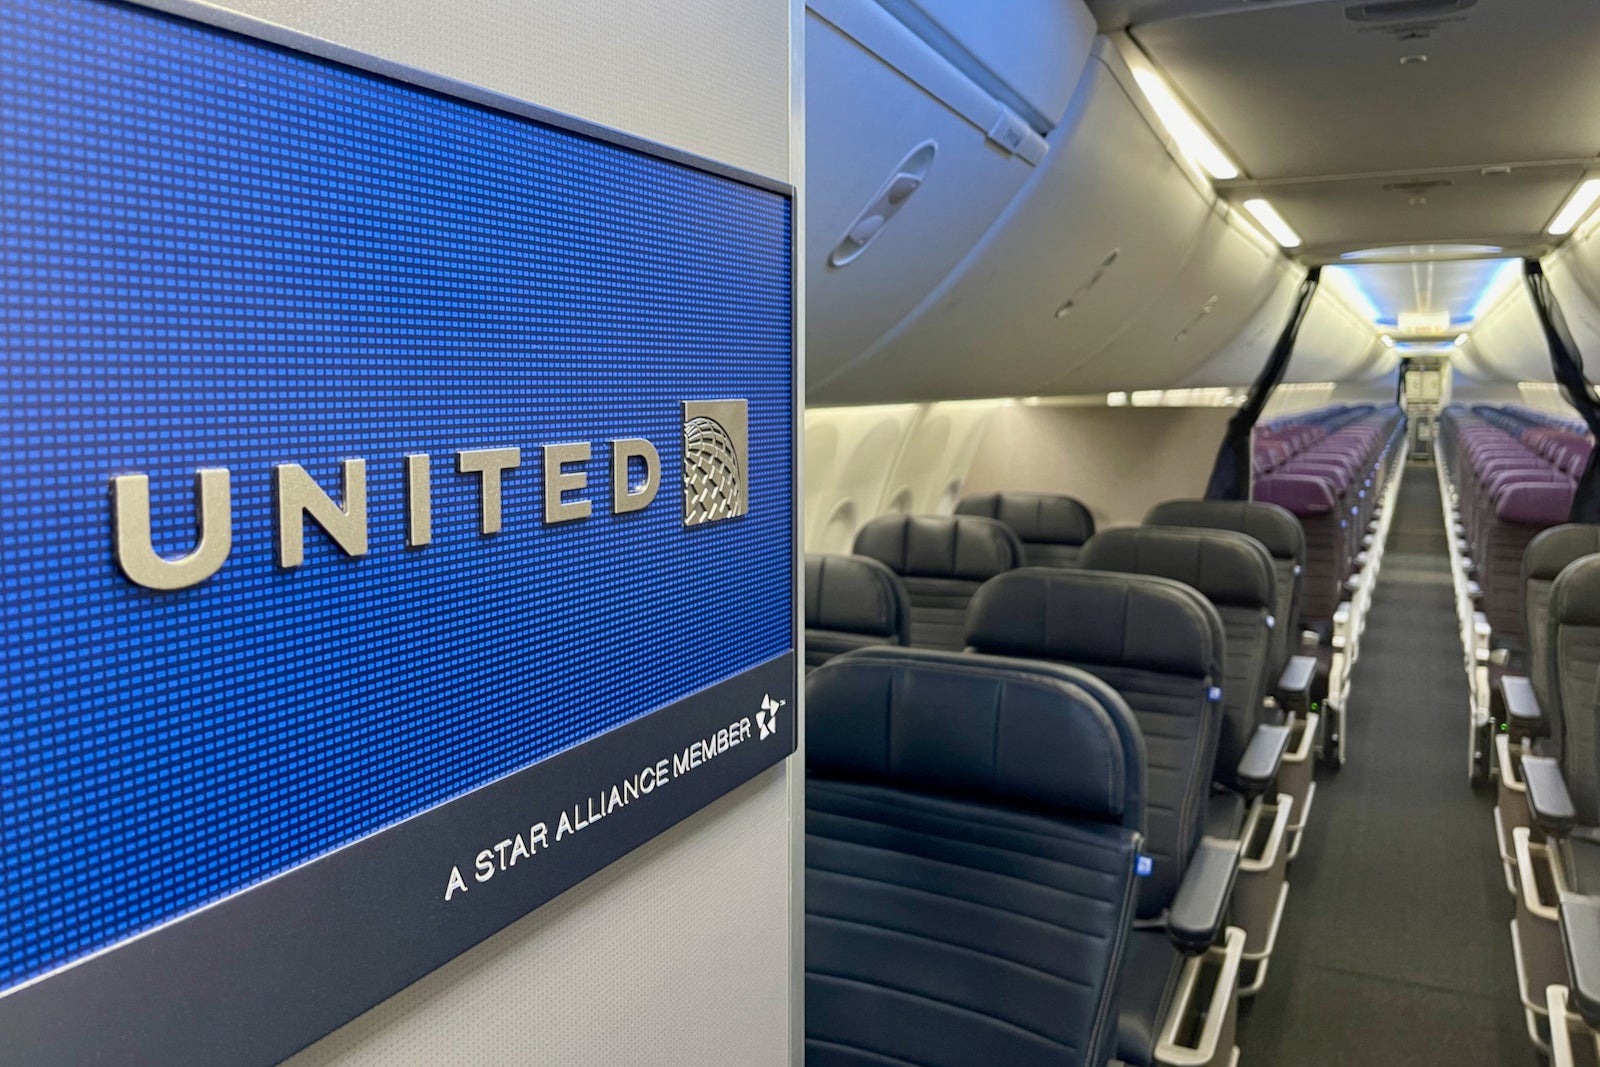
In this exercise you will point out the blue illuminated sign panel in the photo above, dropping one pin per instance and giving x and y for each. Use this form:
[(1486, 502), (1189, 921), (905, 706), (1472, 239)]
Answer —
[(378, 464)]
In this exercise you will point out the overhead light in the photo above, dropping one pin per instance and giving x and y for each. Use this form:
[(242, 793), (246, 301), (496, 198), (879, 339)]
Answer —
[(1418, 321), (1408, 253), (1268, 216), (1193, 141), (1461, 339), (1388, 342), (1576, 207)]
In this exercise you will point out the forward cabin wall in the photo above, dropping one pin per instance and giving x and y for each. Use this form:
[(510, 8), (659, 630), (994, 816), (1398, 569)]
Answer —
[(923, 458), (1118, 461)]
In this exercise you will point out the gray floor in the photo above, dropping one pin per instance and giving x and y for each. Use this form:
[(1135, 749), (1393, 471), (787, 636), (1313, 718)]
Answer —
[(1394, 948)]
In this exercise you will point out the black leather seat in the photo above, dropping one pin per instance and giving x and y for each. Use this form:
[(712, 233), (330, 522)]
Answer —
[(1280, 534), (973, 829), (942, 560), (1052, 528), (1563, 778), (1159, 644), (1572, 660), (1234, 573), (1547, 556), (852, 602)]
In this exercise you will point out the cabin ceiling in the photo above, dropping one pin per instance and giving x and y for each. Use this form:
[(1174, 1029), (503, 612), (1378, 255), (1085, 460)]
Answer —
[(1462, 288), (1480, 143)]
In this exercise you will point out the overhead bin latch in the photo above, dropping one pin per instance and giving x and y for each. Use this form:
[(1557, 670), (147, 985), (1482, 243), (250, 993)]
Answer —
[(890, 197), (1013, 134)]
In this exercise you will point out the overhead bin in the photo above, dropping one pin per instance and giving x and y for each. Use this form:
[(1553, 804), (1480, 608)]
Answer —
[(1334, 343), (923, 122), (1508, 342), (1223, 284), (1108, 228), (1012, 42)]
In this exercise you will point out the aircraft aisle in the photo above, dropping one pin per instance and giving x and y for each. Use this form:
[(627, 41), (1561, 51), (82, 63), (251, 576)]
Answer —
[(1394, 947)]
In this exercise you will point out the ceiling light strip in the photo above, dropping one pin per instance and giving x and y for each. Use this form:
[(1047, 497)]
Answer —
[(1193, 141), (1264, 213), (1576, 207)]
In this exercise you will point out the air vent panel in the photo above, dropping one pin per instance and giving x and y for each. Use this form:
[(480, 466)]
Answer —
[(1390, 10)]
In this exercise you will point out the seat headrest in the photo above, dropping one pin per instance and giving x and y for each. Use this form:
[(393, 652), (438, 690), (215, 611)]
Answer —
[(1300, 494), (854, 594), (1273, 525), (1575, 598), (1097, 619), (1535, 503), (1549, 553), (1032, 735), (1041, 518), (940, 546), (1229, 569)]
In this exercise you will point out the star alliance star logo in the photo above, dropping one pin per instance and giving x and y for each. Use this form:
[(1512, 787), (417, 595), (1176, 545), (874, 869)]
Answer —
[(767, 717)]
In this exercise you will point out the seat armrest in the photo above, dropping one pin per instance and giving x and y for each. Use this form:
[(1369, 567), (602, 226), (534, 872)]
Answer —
[(1517, 697), (1259, 764), (1199, 911), (1548, 799), (1580, 937), (1294, 684)]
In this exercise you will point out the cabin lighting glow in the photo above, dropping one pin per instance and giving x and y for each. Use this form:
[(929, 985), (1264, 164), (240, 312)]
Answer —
[(1388, 342), (1193, 141), (1576, 207), (1274, 223), (1461, 339)]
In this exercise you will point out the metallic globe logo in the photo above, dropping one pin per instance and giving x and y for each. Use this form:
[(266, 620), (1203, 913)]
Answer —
[(715, 437)]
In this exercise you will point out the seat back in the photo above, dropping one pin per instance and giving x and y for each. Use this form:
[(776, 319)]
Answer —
[(1518, 512), (942, 560), (1233, 572), (1573, 660), (1158, 644), (972, 842), (1280, 534), (1051, 528), (852, 602), (1546, 557), (1326, 522)]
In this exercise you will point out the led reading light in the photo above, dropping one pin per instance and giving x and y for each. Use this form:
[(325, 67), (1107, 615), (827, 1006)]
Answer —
[(1268, 216)]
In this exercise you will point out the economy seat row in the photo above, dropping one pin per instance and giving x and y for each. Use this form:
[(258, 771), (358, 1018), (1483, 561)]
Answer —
[(1528, 590), (1506, 476), (1177, 620), (1334, 469), (1510, 476), (1547, 818), (1329, 468)]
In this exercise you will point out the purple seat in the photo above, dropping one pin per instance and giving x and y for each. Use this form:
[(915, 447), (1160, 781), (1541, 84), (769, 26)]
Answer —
[(1521, 511), (1315, 502)]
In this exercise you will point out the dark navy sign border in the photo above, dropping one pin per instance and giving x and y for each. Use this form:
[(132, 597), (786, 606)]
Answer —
[(261, 974)]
